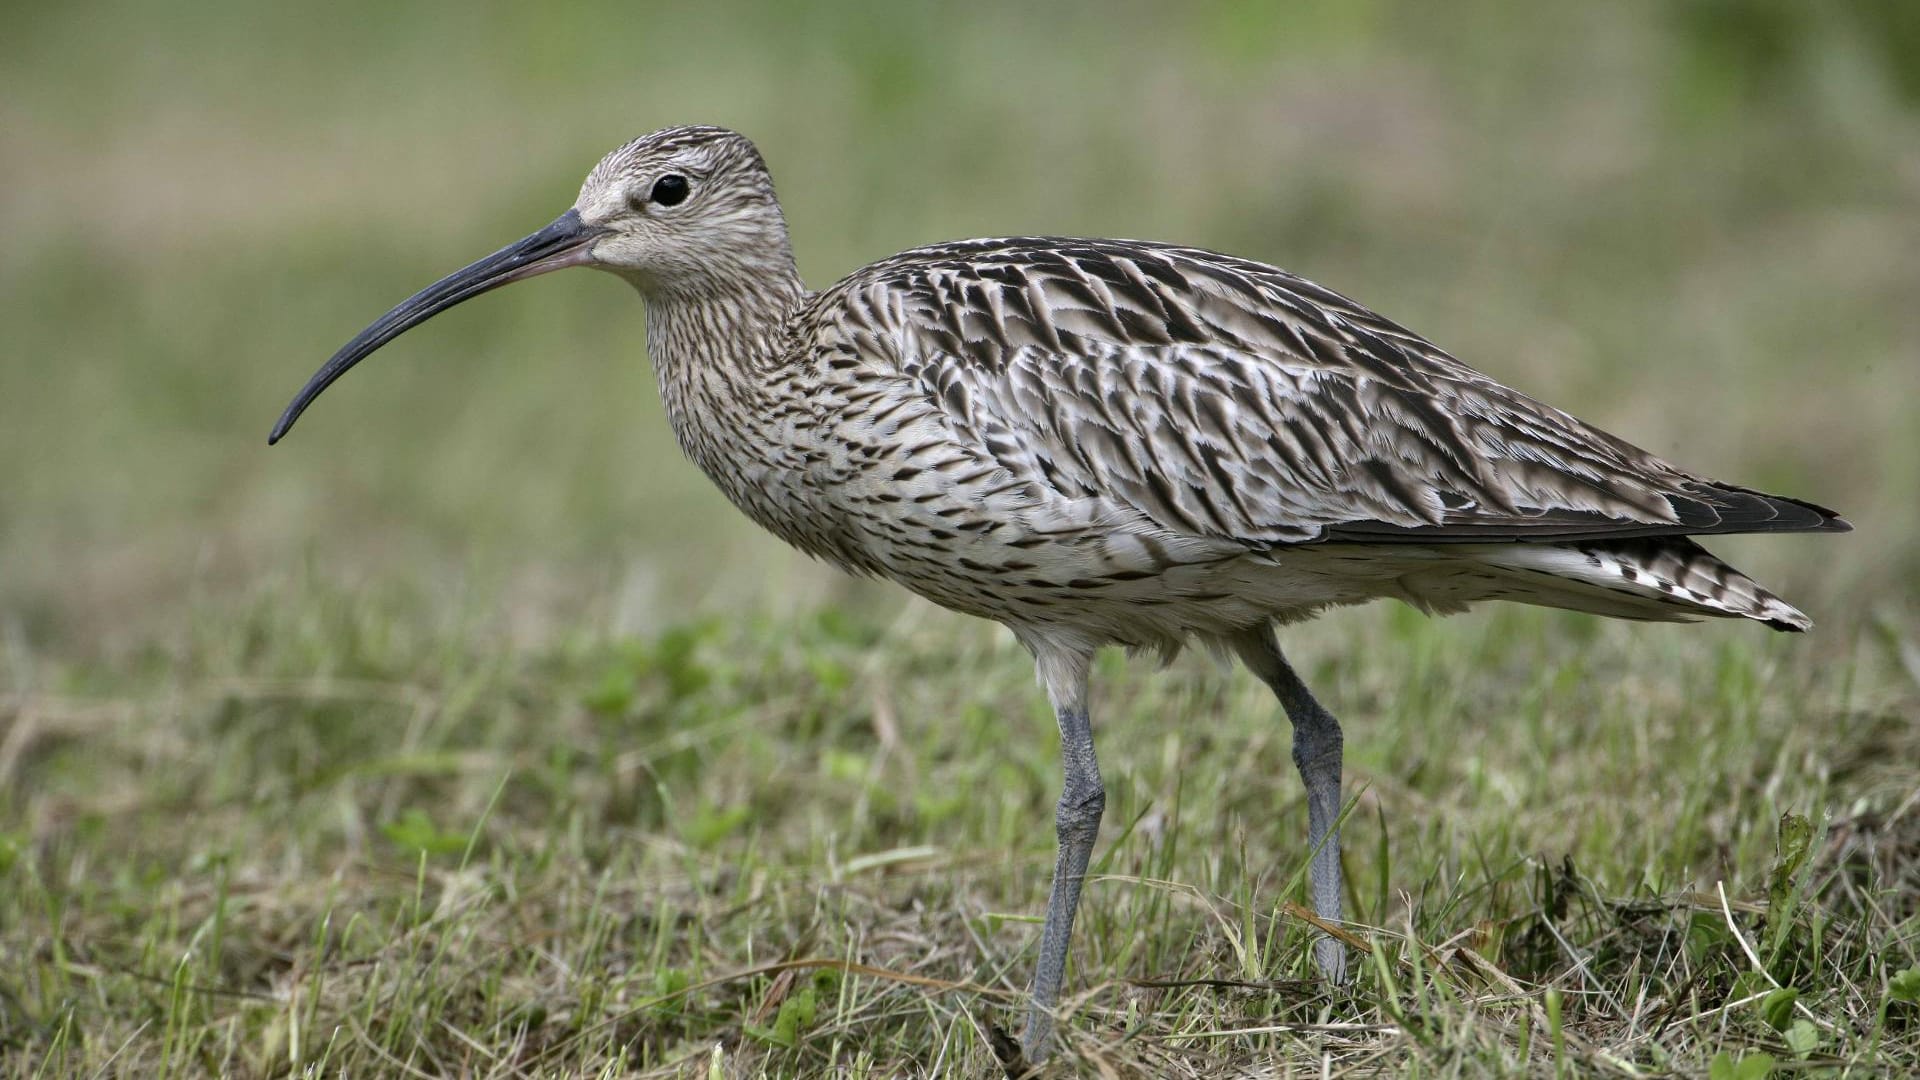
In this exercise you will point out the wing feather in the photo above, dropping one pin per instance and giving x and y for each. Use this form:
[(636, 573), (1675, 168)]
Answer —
[(1227, 399)]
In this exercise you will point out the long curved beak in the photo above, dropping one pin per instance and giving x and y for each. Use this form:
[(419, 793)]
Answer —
[(566, 242)]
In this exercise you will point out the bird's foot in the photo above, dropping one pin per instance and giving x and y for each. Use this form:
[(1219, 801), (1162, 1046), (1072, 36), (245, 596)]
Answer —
[(1011, 1055)]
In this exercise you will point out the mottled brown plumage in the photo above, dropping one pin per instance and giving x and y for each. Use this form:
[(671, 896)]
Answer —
[(1117, 442)]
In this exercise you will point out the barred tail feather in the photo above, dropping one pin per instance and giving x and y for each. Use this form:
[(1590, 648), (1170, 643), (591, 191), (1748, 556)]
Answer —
[(1660, 578)]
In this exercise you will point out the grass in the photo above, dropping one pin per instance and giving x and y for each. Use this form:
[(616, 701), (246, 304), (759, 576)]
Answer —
[(777, 845), (470, 732)]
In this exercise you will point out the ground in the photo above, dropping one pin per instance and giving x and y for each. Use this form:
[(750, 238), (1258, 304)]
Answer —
[(793, 846), (469, 732)]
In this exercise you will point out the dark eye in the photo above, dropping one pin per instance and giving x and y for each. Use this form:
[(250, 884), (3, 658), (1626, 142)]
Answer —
[(671, 190)]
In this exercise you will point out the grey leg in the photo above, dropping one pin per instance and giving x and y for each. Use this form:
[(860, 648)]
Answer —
[(1316, 753), (1077, 825)]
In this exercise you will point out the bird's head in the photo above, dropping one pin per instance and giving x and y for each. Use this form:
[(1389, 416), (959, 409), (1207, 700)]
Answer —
[(687, 210), (684, 212)]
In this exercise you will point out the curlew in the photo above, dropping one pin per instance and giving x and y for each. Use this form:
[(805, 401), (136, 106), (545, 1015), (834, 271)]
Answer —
[(1101, 442)]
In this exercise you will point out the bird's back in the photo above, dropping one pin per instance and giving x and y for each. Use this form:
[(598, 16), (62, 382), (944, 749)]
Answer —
[(1200, 402)]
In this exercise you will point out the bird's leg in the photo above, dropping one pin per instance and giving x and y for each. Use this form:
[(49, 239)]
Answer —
[(1077, 824), (1316, 753)]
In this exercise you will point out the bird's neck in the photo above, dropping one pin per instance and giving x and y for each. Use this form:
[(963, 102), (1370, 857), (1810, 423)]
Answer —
[(713, 348), (731, 379), (737, 325)]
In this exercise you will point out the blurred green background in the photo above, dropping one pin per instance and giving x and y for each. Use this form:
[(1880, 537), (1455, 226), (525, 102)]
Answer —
[(1696, 224)]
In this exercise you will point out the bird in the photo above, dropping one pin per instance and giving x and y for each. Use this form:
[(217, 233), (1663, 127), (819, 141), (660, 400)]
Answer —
[(1116, 442)]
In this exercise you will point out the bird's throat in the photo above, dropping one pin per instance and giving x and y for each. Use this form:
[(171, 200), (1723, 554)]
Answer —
[(728, 370)]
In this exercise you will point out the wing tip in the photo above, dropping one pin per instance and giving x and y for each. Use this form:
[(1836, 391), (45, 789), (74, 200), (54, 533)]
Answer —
[(1726, 508)]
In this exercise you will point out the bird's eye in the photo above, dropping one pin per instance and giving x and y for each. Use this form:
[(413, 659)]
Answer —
[(671, 190)]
